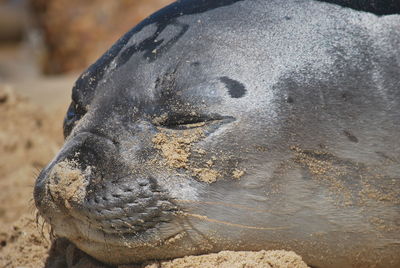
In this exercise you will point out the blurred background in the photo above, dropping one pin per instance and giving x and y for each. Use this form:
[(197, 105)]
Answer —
[(68, 35), (44, 45)]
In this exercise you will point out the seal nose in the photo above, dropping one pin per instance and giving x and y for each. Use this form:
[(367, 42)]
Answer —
[(39, 189), (65, 179)]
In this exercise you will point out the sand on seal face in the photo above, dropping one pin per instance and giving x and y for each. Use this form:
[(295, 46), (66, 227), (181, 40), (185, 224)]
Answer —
[(177, 149), (68, 182)]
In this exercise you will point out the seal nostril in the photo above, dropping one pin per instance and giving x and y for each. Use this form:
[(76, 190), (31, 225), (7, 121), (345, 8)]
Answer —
[(116, 195), (104, 198)]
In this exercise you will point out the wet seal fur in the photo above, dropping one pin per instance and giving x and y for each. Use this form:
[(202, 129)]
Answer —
[(237, 125)]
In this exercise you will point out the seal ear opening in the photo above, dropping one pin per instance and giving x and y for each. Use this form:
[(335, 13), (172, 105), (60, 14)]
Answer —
[(377, 7)]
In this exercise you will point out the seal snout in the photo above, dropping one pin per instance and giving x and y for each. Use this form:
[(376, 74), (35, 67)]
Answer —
[(62, 188), (67, 183), (88, 184), (132, 206), (65, 179)]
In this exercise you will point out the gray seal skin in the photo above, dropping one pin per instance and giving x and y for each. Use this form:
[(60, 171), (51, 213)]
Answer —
[(300, 99)]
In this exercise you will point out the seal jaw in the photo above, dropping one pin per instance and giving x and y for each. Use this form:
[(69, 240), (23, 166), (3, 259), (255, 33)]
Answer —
[(112, 219)]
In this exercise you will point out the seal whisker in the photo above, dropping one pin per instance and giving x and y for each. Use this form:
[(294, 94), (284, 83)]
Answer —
[(223, 204), (40, 225), (107, 247), (204, 236), (31, 206), (88, 231)]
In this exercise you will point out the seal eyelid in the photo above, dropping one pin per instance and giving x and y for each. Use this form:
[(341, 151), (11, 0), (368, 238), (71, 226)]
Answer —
[(194, 121)]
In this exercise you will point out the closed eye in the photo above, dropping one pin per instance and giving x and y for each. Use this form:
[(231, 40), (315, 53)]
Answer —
[(182, 122)]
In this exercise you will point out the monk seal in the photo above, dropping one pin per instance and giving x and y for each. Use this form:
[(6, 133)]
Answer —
[(236, 125)]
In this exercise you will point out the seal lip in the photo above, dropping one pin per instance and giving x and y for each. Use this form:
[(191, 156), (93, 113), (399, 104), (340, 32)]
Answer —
[(82, 233), (130, 216), (136, 215), (79, 230)]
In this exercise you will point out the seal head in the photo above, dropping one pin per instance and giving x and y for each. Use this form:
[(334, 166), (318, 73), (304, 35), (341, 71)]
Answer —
[(240, 125)]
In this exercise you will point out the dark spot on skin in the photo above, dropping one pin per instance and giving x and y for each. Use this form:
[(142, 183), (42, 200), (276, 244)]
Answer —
[(168, 16), (195, 64), (350, 136), (288, 18), (345, 96), (152, 46), (289, 100), (235, 88), (90, 79)]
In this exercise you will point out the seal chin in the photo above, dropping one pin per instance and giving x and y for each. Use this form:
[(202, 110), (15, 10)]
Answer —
[(128, 249), (99, 232), (138, 243)]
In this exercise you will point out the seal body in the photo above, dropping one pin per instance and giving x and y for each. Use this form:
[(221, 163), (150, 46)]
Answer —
[(236, 125)]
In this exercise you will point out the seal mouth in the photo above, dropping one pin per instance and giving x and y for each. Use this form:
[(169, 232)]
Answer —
[(129, 210), (90, 211), (82, 231)]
